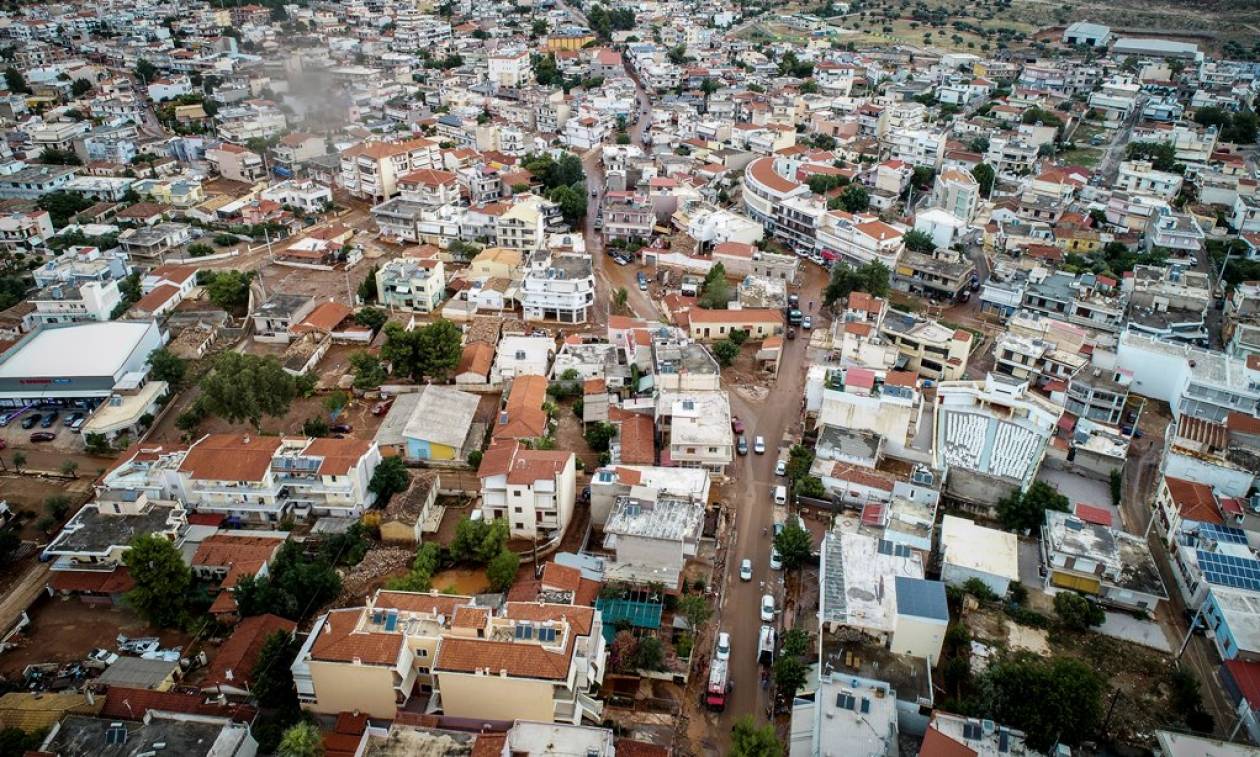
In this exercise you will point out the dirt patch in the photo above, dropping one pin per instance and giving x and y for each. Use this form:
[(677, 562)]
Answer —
[(461, 581), (65, 630)]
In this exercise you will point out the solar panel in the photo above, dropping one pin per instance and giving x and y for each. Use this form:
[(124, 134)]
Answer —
[(1223, 534), (1231, 571), (845, 701)]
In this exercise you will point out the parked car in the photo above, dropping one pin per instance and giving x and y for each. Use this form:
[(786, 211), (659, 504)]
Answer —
[(780, 494), (745, 570), (76, 425), (71, 418), (793, 300), (382, 407), (29, 421), (741, 445), (737, 425), (780, 468), (643, 281), (776, 562), (759, 445), (722, 650), (807, 323), (43, 436), (767, 608), (49, 420), (341, 428)]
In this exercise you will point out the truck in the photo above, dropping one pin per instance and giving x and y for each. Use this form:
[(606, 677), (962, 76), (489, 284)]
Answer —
[(719, 687), (765, 646)]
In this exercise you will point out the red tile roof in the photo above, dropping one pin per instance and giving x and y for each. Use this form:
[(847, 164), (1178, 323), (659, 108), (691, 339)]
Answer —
[(638, 440), (937, 744), (338, 641), (233, 665), (524, 418), (230, 457), (122, 703), (1195, 501)]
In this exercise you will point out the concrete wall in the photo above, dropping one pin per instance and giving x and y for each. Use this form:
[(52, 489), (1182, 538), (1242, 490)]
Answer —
[(1227, 481), (920, 637), (353, 688), (494, 697), (979, 491), (956, 575)]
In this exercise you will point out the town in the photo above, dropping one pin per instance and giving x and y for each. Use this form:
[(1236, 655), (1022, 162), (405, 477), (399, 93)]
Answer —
[(551, 377)]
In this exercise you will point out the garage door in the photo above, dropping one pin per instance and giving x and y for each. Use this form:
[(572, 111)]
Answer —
[(1089, 585)]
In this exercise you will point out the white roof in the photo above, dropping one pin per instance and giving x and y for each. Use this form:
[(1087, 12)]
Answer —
[(83, 350), (442, 416), (978, 548)]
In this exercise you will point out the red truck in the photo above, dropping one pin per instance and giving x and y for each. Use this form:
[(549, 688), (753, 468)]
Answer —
[(719, 686)]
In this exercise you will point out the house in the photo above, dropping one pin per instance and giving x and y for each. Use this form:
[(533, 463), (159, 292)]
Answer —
[(370, 170), (1115, 567), (474, 364), (140, 673), (533, 490), (713, 325), (231, 671), (275, 318), (950, 735), (407, 515), (652, 538), (75, 303), (931, 350), (846, 715), (558, 287), (972, 551), (522, 356), (188, 734), (227, 557), (695, 430), (1179, 501), (441, 424), (528, 660), (411, 283), (236, 163), (610, 483), (522, 416), (154, 242)]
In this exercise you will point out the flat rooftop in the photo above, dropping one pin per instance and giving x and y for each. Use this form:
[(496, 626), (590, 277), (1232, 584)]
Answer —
[(80, 350), (93, 531), (666, 518), (852, 653)]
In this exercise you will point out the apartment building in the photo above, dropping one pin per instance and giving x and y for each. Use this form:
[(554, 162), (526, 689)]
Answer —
[(370, 170), (957, 193), (236, 163), (1141, 177), (411, 283), (765, 191), (98, 536), (558, 287), (888, 404), (533, 490), (918, 147), (931, 350), (429, 186), (1197, 382), (25, 231), (858, 239), (74, 303), (943, 274), (631, 216), (510, 69), (533, 661), (696, 430), (1088, 300), (298, 147), (522, 226), (303, 195)]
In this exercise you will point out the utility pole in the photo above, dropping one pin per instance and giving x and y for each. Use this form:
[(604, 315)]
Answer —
[(1189, 632)]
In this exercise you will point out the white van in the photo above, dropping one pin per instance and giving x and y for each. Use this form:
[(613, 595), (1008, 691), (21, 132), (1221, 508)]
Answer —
[(780, 495)]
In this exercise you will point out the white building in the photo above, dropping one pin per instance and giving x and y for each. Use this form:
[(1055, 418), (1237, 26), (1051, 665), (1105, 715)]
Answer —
[(75, 303), (972, 551), (558, 287), (533, 490)]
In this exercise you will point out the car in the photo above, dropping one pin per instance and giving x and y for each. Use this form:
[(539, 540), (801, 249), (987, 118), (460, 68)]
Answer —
[(780, 495), (780, 468), (722, 650), (767, 608), (791, 334), (382, 407), (793, 300), (71, 418), (77, 424), (745, 570), (776, 562), (594, 192), (341, 428), (621, 259), (794, 316), (43, 436), (29, 421), (807, 323), (49, 420), (741, 445), (642, 278), (737, 425), (759, 445)]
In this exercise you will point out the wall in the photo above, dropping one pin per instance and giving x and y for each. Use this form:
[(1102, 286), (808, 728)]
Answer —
[(1230, 482), (493, 697), (956, 575), (342, 687), (418, 449), (976, 489), (919, 637)]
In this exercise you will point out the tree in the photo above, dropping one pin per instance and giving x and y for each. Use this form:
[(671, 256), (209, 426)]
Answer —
[(301, 740), (919, 241), (373, 318), (165, 365), (1023, 511), (389, 478), (315, 427), (984, 176), (478, 541), (871, 278), (162, 580), (368, 371), (1077, 612), (62, 206), (794, 545), (599, 436), (572, 201), (247, 387), (800, 460), (367, 287), (501, 571), (695, 609), (19, 460), (58, 505), (748, 740), (296, 585), (725, 351), (271, 679), (54, 157), (623, 652), (1050, 700), (15, 80), (539, 27), (811, 486), (620, 297), (650, 654), (145, 71), (795, 643), (715, 293), (854, 199), (97, 444), (789, 675), (229, 289)]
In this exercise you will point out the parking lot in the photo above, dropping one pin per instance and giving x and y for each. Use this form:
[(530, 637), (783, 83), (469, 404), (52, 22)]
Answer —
[(18, 434)]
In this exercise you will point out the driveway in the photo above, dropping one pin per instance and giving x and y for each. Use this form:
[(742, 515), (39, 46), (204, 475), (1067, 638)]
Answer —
[(1124, 626)]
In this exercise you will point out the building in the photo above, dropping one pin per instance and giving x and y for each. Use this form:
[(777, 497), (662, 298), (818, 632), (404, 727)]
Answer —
[(533, 490), (558, 287), (695, 429), (83, 363), (154, 242), (950, 735), (75, 303), (957, 193), (652, 537), (274, 319), (1202, 383), (461, 659), (929, 349), (440, 425), (370, 170), (844, 715), (97, 538), (33, 182), (510, 69), (1086, 33), (522, 416), (236, 163), (184, 734), (1115, 567), (972, 551), (412, 283), (990, 437), (714, 325), (23, 232)]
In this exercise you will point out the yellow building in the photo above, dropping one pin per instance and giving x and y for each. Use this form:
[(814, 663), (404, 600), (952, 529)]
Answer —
[(714, 325), (496, 263), (572, 41)]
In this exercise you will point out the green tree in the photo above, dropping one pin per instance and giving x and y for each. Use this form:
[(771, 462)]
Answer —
[(695, 609), (919, 241), (871, 278), (368, 371), (62, 206), (367, 287), (162, 580), (55, 157), (271, 679), (501, 571), (1116, 484), (725, 351), (301, 740), (572, 201), (145, 71), (599, 436), (811, 486), (229, 289), (389, 478), (795, 643), (794, 545), (373, 318), (16, 82), (296, 585), (58, 505), (97, 444), (800, 460), (539, 27), (1056, 699), (165, 365), (789, 675), (650, 654), (984, 176), (715, 293), (854, 199), (315, 427), (620, 297), (70, 467), (1077, 612), (1021, 512), (19, 460), (749, 740), (247, 387), (335, 402)]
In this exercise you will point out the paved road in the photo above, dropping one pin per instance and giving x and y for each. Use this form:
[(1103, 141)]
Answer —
[(22, 593)]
